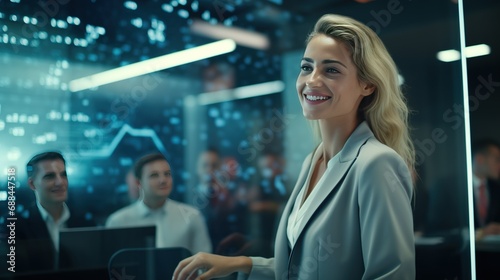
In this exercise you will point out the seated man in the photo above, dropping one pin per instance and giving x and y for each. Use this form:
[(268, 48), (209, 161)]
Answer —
[(37, 228), (486, 169), (177, 224)]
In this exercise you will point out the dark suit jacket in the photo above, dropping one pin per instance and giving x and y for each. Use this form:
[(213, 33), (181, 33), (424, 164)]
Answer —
[(493, 207), (35, 249)]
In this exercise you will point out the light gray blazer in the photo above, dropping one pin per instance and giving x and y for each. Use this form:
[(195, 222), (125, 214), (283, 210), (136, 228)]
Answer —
[(362, 228)]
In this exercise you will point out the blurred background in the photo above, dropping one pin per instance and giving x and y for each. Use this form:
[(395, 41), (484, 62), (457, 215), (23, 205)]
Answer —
[(241, 104)]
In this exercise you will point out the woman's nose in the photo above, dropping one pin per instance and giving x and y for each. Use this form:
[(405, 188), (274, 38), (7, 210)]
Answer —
[(314, 79)]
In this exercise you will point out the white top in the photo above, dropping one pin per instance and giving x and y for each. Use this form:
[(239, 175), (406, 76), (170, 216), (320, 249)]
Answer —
[(297, 214), (177, 224), (52, 226)]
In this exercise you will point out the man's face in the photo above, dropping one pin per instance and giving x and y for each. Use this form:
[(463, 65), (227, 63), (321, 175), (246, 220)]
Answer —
[(50, 182), (156, 180), (208, 165), (487, 164), (493, 163)]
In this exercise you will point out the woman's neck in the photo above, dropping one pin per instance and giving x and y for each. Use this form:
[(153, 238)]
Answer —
[(334, 135)]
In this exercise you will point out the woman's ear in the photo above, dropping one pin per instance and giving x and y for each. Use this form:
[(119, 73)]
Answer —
[(368, 89)]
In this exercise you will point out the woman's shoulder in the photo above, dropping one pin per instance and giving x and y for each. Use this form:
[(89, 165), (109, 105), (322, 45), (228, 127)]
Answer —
[(386, 169), (375, 150)]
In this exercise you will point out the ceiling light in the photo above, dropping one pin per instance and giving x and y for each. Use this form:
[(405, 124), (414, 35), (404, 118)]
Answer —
[(477, 50), (240, 93), (471, 51), (241, 36), (448, 55), (153, 65)]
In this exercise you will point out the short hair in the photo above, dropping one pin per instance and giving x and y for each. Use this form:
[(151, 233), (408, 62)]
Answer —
[(31, 167), (213, 150), (139, 164), (481, 146)]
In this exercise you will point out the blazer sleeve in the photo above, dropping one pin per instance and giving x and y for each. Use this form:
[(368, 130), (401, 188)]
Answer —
[(384, 200), (262, 269)]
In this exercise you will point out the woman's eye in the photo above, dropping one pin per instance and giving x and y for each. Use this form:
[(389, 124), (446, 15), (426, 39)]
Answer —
[(332, 70), (305, 68)]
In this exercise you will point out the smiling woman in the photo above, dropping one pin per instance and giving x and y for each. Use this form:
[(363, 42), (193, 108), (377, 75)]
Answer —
[(245, 111), (325, 79), (349, 215)]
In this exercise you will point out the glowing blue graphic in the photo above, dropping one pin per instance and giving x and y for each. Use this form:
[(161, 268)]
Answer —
[(136, 132)]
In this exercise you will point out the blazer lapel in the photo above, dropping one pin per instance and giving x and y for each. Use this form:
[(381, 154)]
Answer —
[(339, 167), (281, 248)]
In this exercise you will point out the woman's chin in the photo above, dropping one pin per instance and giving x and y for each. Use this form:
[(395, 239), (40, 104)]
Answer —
[(310, 116)]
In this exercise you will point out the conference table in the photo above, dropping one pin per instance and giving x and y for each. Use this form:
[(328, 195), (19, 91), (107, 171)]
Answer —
[(488, 257)]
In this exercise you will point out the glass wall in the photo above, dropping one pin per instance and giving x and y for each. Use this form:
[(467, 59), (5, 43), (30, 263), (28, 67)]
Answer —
[(483, 77), (229, 117)]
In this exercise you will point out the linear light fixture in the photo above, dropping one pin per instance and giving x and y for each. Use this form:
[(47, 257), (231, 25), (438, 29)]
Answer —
[(241, 36), (477, 50), (153, 65), (448, 55), (240, 93), (471, 51)]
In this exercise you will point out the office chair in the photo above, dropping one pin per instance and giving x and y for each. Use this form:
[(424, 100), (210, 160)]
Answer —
[(145, 263)]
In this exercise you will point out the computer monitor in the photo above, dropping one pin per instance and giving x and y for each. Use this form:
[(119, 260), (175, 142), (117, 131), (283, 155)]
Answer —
[(90, 248)]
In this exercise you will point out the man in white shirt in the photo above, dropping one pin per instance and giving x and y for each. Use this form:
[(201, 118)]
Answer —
[(177, 224)]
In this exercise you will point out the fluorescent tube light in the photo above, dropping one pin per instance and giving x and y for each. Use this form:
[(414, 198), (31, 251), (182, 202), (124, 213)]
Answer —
[(241, 36), (153, 65), (471, 51), (477, 50), (240, 93), (448, 55)]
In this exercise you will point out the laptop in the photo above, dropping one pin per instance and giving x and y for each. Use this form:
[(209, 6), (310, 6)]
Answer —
[(92, 247)]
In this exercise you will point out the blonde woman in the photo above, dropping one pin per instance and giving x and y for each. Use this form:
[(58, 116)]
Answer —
[(349, 216)]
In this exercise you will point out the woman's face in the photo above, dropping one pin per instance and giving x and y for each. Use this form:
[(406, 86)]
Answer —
[(328, 85)]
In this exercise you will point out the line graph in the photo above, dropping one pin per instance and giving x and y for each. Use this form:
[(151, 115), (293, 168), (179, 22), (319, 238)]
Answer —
[(124, 130)]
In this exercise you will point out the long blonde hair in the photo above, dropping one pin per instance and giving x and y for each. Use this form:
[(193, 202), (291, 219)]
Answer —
[(385, 110)]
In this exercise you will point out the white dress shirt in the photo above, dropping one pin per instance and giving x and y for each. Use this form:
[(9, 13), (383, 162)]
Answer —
[(477, 182), (297, 214), (54, 226), (177, 224)]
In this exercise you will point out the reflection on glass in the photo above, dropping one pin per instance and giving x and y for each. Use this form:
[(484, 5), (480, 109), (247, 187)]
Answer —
[(260, 139)]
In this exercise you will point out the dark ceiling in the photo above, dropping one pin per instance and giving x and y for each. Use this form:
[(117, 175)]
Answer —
[(435, 20), (285, 22), (431, 22)]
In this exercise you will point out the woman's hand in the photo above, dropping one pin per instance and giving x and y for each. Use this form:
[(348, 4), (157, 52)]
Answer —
[(211, 266)]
